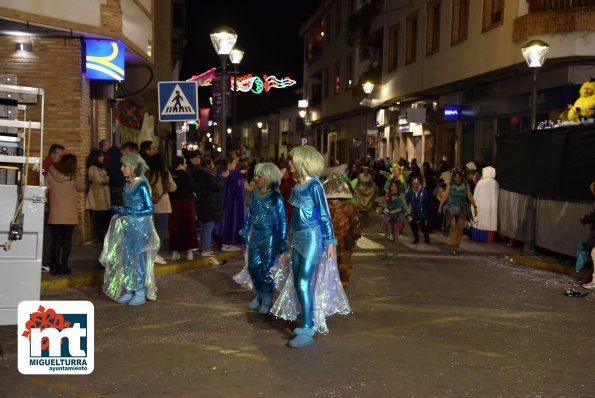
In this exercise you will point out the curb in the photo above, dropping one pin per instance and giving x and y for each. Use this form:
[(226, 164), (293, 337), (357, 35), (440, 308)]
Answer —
[(534, 263), (96, 279)]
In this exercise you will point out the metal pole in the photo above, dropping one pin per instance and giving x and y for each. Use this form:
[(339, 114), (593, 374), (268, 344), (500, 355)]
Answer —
[(534, 100), (223, 107), (529, 245), (365, 142), (235, 99)]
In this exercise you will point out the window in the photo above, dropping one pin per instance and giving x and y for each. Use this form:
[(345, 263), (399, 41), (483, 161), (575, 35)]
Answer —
[(411, 38), (338, 19), (460, 21), (493, 14), (393, 47), (325, 84), (337, 77), (349, 71), (433, 27)]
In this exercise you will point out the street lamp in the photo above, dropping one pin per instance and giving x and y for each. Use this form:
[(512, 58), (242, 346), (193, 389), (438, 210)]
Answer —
[(235, 57), (534, 53), (368, 87), (223, 39)]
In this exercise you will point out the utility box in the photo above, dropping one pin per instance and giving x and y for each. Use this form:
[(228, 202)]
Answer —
[(20, 266)]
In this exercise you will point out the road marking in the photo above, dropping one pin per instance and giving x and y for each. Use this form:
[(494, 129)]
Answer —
[(158, 325)]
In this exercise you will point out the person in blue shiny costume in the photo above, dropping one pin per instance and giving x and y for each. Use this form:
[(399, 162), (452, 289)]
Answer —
[(312, 233), (266, 226), (131, 243)]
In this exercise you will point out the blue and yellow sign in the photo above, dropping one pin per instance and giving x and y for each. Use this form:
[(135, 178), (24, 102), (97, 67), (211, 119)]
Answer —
[(104, 60)]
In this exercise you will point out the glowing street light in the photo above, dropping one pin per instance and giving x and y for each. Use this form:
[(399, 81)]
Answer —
[(223, 39)]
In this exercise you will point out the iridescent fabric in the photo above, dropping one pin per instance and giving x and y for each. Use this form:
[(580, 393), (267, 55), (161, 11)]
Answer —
[(329, 295), (266, 226), (130, 245)]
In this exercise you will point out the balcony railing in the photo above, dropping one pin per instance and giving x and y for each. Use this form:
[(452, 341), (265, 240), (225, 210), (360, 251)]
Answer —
[(555, 16), (545, 5)]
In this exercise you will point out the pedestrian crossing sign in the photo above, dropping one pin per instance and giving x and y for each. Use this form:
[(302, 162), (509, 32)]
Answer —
[(178, 101)]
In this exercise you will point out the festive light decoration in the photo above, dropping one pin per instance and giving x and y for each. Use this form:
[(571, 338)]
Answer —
[(248, 82)]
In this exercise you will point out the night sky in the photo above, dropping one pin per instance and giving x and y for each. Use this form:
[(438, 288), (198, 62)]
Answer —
[(268, 33)]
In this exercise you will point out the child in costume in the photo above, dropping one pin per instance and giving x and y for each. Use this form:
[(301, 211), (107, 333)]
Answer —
[(393, 216), (131, 243), (265, 231), (346, 224), (313, 269)]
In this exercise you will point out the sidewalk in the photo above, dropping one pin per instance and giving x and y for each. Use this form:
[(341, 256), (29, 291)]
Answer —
[(439, 246), (87, 271)]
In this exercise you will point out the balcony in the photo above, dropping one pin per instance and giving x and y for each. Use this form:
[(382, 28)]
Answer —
[(547, 17)]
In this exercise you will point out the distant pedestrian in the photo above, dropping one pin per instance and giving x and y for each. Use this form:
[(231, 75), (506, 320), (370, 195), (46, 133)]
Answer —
[(589, 218), (393, 217), (182, 222), (161, 184), (64, 182), (458, 199), (232, 201), (418, 200), (486, 196), (209, 208), (98, 194)]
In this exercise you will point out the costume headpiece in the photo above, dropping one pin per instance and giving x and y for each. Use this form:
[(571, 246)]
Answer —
[(270, 173), (335, 188), (136, 164)]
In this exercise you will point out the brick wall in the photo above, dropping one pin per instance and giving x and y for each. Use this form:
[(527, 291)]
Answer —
[(55, 65)]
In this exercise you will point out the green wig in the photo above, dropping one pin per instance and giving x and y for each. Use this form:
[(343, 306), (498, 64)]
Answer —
[(136, 164), (270, 173), (307, 162)]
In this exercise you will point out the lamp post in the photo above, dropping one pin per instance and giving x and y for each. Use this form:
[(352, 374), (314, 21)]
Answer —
[(235, 57), (302, 112), (534, 53), (368, 87), (223, 39)]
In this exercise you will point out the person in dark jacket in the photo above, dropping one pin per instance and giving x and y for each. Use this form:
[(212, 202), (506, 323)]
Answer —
[(182, 222), (418, 201), (589, 218), (209, 201)]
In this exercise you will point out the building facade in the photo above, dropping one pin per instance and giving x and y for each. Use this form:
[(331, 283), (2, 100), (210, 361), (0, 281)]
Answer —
[(449, 75), (79, 111)]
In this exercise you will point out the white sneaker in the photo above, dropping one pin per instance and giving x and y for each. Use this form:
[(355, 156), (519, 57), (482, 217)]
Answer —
[(160, 260), (189, 255), (175, 255), (230, 248), (590, 285), (208, 254), (45, 268)]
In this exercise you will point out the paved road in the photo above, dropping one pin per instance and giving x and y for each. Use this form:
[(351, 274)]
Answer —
[(425, 325)]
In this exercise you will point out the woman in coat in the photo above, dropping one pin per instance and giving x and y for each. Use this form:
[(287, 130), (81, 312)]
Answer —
[(182, 222), (98, 196), (63, 183), (209, 201), (161, 185)]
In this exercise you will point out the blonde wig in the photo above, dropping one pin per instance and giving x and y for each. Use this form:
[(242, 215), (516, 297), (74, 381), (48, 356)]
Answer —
[(307, 162)]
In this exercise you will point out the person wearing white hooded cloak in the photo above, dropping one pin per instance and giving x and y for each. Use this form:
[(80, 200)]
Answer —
[(486, 198)]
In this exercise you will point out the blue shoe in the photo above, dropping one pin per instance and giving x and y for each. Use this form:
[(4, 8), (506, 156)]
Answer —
[(126, 297), (139, 298), (303, 337), (267, 303), (255, 304)]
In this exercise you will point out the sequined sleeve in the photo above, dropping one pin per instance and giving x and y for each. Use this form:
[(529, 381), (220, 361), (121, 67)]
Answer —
[(147, 207), (321, 204), (281, 216)]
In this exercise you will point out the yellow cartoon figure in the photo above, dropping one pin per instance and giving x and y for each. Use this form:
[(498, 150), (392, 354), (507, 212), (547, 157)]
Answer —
[(582, 106)]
